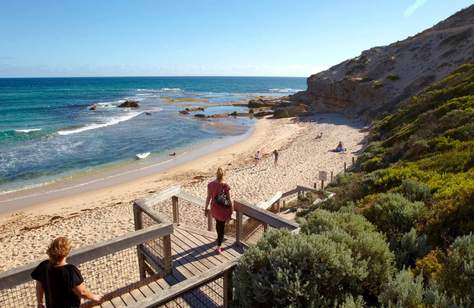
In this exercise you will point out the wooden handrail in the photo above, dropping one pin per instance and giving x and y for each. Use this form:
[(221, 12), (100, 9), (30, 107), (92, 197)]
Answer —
[(264, 216), (22, 274), (185, 286)]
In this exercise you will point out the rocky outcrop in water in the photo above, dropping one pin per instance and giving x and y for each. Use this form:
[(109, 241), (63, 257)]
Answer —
[(129, 104), (382, 78)]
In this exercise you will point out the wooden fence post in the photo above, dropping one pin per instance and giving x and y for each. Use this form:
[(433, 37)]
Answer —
[(322, 184), (238, 227), (138, 222), (174, 201), (227, 287), (332, 175), (345, 166), (167, 254), (353, 160)]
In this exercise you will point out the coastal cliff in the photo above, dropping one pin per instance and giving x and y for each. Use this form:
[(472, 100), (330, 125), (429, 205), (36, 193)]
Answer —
[(382, 78)]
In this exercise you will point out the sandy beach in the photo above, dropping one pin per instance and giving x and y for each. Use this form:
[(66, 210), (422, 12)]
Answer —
[(91, 217)]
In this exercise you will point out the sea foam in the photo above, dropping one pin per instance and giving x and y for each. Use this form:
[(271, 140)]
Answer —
[(26, 131), (112, 121)]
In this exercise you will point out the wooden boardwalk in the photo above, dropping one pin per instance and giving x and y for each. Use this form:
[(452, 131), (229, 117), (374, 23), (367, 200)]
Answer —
[(193, 252)]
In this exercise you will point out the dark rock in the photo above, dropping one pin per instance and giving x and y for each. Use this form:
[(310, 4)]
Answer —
[(262, 114), (129, 104), (93, 107), (200, 115), (148, 113)]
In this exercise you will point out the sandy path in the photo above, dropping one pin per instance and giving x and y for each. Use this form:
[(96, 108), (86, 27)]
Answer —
[(103, 214)]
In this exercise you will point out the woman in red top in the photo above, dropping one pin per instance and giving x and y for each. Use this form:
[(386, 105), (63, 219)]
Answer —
[(220, 213)]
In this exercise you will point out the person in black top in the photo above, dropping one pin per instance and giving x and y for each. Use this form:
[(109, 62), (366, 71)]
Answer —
[(59, 282), (275, 156)]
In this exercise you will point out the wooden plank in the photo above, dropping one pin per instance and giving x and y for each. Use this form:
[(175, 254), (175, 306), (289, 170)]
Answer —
[(191, 198), (266, 204), (137, 295), (264, 216), (107, 305), (203, 264), (128, 299), (185, 286), (198, 250), (146, 291), (21, 275), (223, 257), (118, 302)]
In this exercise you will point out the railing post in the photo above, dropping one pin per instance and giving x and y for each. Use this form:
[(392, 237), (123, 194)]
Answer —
[(332, 175), (228, 288), (138, 222), (167, 254), (174, 201), (238, 227), (265, 227), (345, 167), (209, 221)]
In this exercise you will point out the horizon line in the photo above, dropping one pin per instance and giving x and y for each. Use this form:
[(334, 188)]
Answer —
[(147, 76)]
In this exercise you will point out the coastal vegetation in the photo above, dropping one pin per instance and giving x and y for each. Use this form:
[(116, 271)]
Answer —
[(399, 231)]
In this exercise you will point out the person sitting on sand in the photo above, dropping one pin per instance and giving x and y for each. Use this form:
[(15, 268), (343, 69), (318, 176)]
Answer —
[(59, 282), (340, 148), (319, 136), (218, 196)]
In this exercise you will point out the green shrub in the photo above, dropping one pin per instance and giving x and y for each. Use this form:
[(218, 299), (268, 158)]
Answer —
[(415, 191), (409, 247), (391, 212), (457, 276), (285, 270), (403, 290), (430, 265), (362, 238)]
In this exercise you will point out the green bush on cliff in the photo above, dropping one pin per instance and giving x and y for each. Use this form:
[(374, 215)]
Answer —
[(392, 213), (336, 255)]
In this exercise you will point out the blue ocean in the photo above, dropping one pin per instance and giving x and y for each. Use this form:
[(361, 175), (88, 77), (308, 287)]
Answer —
[(47, 130)]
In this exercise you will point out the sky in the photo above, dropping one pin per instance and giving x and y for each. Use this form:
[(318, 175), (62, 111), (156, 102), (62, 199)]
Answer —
[(201, 37)]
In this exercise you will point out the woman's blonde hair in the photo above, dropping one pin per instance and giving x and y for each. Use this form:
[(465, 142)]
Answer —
[(220, 174), (59, 249)]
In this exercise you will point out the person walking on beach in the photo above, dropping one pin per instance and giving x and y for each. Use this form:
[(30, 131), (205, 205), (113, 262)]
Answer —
[(275, 156), (59, 282), (258, 156), (218, 196)]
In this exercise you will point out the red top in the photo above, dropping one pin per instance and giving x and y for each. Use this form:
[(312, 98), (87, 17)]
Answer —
[(219, 212)]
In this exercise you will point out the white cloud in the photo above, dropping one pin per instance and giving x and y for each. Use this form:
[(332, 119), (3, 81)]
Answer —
[(412, 8)]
